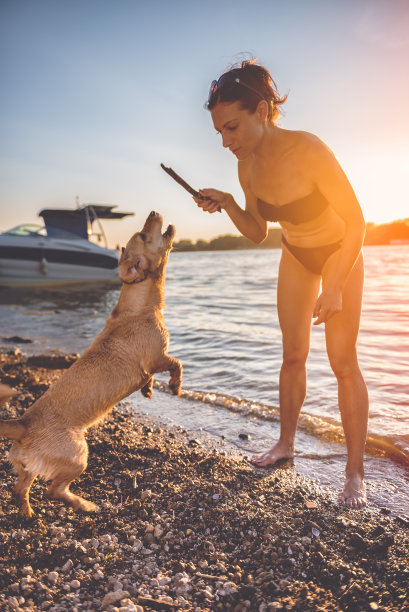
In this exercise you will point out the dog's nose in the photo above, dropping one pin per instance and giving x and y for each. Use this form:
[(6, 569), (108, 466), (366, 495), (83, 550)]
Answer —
[(170, 231), (153, 214)]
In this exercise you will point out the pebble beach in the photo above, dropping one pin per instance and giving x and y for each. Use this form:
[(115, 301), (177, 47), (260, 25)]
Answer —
[(186, 526)]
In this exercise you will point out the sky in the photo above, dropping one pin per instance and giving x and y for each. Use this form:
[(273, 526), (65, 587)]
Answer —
[(97, 93)]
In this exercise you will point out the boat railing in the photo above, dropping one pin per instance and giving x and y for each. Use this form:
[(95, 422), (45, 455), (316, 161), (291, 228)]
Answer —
[(90, 209)]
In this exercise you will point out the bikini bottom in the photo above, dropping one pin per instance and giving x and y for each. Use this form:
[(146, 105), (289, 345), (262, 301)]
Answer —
[(313, 258)]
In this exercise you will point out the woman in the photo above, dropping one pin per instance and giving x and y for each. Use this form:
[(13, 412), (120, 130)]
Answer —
[(292, 177)]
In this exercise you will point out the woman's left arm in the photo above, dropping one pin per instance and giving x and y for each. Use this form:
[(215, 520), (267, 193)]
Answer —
[(335, 187)]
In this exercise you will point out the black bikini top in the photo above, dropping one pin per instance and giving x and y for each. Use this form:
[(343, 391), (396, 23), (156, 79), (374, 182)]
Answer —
[(299, 211)]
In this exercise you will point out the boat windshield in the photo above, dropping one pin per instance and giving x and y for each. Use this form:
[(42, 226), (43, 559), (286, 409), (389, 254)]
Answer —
[(28, 229)]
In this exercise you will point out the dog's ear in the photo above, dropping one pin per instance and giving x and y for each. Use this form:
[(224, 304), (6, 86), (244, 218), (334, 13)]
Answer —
[(133, 271), (121, 258)]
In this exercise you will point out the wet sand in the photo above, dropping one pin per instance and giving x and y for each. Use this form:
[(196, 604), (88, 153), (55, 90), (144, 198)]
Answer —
[(185, 526)]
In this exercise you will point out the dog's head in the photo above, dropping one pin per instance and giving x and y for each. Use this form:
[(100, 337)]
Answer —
[(146, 252)]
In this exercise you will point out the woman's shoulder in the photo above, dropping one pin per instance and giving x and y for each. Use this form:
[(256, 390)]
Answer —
[(315, 156), (306, 140), (310, 148)]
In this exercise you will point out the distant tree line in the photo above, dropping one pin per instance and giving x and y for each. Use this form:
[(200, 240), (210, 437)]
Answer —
[(386, 233), (230, 243)]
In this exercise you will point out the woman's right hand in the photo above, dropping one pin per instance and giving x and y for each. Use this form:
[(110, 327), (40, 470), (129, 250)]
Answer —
[(215, 200)]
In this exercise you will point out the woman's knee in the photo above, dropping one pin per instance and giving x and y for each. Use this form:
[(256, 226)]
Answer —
[(294, 358), (344, 366)]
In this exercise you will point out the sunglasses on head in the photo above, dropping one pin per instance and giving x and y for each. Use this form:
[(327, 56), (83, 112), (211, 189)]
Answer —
[(229, 79)]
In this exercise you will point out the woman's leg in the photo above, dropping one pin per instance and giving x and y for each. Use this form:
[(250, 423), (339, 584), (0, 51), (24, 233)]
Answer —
[(297, 293), (341, 334)]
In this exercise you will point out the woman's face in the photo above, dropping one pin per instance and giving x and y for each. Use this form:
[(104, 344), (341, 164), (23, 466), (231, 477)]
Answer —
[(241, 131)]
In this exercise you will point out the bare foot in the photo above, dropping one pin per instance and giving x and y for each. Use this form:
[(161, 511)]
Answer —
[(277, 452), (353, 494)]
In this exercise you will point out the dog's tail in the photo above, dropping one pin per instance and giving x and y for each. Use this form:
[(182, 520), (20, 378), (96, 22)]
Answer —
[(5, 393), (14, 429)]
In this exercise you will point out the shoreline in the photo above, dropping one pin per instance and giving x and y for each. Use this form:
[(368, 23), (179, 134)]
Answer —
[(185, 526)]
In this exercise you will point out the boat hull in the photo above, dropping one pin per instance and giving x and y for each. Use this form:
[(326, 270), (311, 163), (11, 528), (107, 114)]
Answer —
[(34, 261), (17, 273)]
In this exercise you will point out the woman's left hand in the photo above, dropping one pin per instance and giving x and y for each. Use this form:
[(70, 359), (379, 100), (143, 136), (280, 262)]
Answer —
[(328, 304)]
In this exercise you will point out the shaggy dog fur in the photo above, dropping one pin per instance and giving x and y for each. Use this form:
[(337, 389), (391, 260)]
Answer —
[(49, 440)]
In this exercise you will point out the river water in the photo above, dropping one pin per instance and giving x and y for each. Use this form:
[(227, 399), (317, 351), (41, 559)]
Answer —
[(221, 315)]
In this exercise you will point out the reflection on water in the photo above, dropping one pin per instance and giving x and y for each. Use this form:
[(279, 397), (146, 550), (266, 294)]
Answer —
[(221, 314)]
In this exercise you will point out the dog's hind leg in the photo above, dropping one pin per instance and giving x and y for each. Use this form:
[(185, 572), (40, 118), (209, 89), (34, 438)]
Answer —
[(22, 489), (67, 468), (59, 488), (25, 478)]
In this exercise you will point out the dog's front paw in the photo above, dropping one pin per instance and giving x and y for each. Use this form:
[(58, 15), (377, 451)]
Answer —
[(147, 390), (175, 388)]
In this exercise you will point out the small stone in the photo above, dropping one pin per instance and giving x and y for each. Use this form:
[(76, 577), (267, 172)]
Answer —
[(75, 584), (26, 583), (148, 538), (194, 442), (99, 575), (228, 588), (207, 594), (311, 505), (67, 566), (52, 577), (358, 541), (244, 436), (182, 584), (113, 597), (283, 584), (27, 570), (137, 545)]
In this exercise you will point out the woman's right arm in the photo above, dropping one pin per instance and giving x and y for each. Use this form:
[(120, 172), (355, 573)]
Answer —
[(248, 221)]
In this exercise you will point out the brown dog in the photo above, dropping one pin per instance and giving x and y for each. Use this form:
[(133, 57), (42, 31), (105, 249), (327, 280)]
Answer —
[(49, 438)]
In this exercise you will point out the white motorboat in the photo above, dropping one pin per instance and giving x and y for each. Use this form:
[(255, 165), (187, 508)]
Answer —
[(60, 251)]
